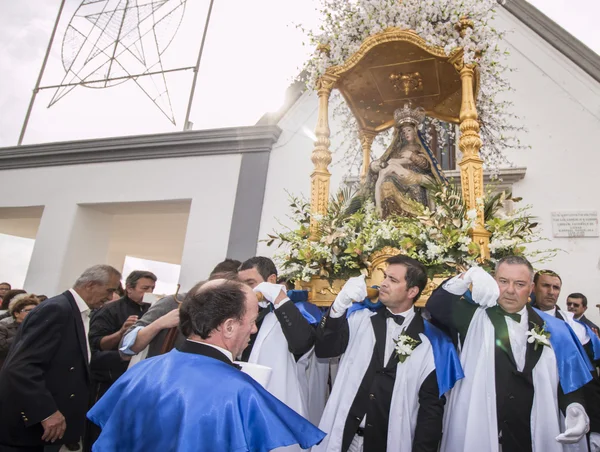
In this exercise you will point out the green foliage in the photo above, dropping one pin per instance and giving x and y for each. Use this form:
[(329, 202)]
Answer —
[(352, 230)]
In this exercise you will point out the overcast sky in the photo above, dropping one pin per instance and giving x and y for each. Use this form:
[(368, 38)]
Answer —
[(252, 52)]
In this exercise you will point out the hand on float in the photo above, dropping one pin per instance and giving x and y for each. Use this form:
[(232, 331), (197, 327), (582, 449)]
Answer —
[(577, 424), (355, 289), (485, 288), (273, 293)]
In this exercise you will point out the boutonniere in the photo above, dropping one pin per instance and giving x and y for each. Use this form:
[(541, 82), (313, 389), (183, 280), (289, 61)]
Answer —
[(404, 346), (539, 335)]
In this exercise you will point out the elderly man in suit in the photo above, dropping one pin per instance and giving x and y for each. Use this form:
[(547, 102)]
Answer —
[(44, 384)]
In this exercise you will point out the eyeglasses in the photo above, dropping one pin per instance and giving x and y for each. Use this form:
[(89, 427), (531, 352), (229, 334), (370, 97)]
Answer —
[(575, 305)]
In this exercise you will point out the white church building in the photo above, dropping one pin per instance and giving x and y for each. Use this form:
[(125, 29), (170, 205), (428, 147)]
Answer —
[(193, 198)]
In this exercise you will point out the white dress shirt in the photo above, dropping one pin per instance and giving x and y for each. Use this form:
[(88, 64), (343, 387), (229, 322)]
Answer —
[(85, 317), (393, 331), (222, 350), (517, 334)]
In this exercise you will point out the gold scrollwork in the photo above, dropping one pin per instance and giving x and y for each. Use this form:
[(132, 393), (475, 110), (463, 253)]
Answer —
[(410, 82)]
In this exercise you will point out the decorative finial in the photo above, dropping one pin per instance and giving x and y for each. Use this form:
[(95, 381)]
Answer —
[(409, 115)]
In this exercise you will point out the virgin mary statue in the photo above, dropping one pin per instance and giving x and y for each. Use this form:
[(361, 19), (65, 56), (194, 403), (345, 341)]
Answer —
[(400, 176)]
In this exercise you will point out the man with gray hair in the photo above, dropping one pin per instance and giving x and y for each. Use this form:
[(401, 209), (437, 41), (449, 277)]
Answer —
[(524, 369), (44, 383)]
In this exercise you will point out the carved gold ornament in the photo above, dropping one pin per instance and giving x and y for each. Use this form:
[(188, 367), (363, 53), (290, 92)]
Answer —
[(409, 83)]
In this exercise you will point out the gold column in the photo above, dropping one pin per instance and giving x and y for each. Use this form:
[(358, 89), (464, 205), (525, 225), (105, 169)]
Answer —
[(321, 156), (366, 140), (471, 165)]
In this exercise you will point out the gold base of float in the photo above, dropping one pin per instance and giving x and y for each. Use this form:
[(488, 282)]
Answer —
[(322, 292)]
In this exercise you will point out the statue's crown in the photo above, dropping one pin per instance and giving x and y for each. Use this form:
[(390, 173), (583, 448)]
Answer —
[(409, 115)]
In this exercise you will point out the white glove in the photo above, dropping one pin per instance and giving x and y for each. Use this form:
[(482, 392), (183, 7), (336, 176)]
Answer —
[(485, 288), (594, 442), (355, 289), (577, 424), (270, 291)]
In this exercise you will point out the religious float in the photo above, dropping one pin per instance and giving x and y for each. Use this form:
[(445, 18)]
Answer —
[(398, 65)]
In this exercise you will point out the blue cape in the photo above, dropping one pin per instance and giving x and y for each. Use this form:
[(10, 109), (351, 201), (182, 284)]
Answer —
[(183, 402), (447, 364), (594, 340), (309, 311), (574, 367)]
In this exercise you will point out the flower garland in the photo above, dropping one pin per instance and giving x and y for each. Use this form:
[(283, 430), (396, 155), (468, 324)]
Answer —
[(352, 230), (346, 24)]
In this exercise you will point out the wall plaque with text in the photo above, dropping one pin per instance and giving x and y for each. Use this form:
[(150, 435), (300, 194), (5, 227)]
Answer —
[(575, 224)]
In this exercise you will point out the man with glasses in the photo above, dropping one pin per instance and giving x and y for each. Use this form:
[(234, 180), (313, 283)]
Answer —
[(577, 304)]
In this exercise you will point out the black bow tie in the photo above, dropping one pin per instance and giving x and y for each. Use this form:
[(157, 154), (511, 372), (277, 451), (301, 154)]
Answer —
[(516, 317), (399, 319)]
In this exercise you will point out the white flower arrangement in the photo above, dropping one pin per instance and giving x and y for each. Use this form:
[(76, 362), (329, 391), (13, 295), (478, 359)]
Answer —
[(346, 24), (539, 335), (439, 237), (404, 346)]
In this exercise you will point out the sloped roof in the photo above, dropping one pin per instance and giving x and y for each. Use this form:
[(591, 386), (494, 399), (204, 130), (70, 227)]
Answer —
[(556, 36), (559, 38)]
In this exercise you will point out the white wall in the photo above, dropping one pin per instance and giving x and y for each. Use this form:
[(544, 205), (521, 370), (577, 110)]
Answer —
[(71, 237), (290, 166)]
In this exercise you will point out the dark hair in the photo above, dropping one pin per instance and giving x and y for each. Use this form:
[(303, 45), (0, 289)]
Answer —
[(515, 260), (416, 273), (546, 273), (6, 284), (120, 291), (202, 312), (581, 297), (231, 276), (42, 297), (9, 296), (136, 275), (263, 265), (227, 266)]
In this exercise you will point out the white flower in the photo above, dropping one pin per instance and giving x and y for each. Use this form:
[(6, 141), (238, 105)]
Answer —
[(404, 346), (535, 337)]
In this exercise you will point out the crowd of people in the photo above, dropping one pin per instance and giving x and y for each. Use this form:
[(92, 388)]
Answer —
[(241, 362)]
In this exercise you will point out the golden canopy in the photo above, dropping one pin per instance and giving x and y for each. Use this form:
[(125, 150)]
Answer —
[(389, 69)]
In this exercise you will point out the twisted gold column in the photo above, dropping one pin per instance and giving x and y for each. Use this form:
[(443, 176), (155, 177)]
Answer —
[(321, 156), (366, 140), (471, 165)]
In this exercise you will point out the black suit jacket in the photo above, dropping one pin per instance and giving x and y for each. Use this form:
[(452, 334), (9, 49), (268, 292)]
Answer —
[(514, 389), (299, 333), (45, 371), (374, 395), (589, 323)]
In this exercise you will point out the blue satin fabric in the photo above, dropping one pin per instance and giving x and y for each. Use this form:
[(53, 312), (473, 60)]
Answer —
[(595, 340), (309, 311), (187, 402), (447, 364), (573, 364)]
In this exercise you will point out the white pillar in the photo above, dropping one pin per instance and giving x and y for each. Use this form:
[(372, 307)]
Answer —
[(69, 240), (207, 234)]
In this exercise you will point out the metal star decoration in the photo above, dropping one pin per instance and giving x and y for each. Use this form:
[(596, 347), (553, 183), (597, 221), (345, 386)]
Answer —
[(108, 42)]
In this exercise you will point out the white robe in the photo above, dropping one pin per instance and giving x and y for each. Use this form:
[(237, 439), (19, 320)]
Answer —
[(300, 385), (353, 365), (470, 421)]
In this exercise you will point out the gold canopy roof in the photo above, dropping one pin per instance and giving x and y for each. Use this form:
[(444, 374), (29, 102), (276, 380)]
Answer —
[(394, 67)]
